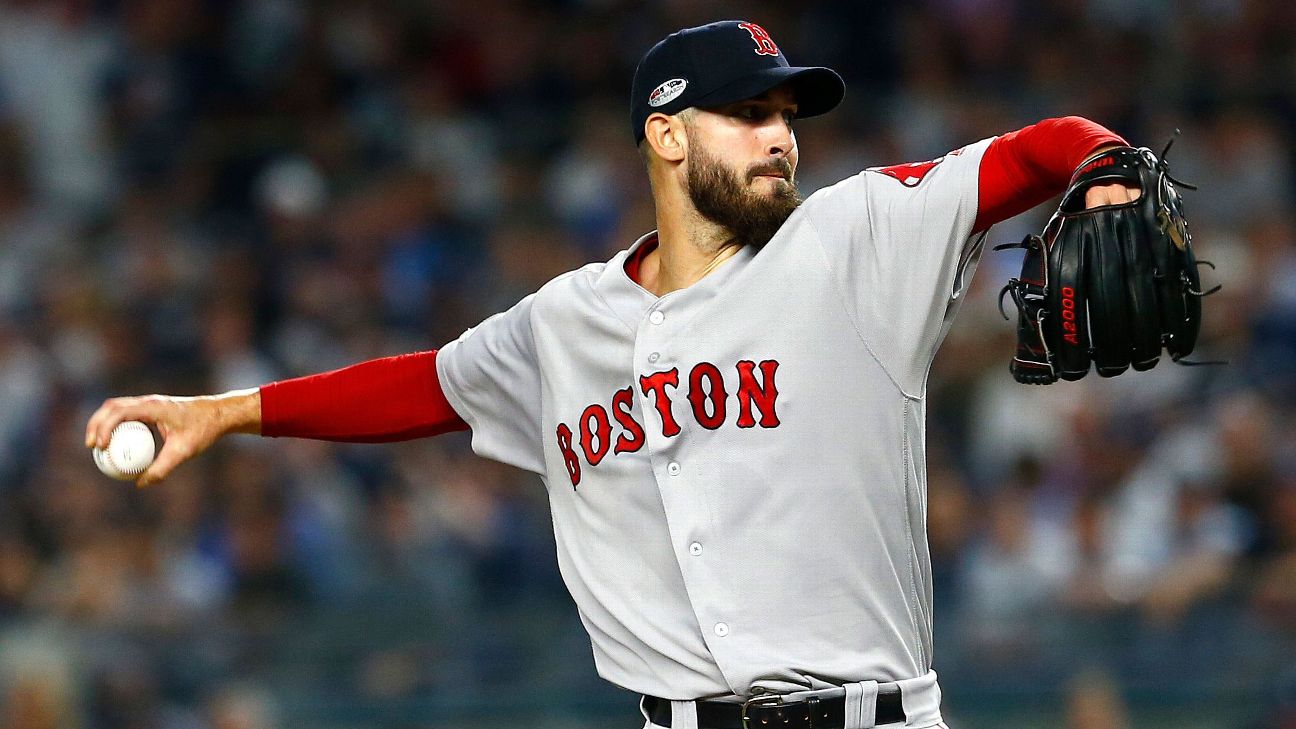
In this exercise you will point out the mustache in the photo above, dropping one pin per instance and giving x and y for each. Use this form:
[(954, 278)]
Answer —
[(780, 167)]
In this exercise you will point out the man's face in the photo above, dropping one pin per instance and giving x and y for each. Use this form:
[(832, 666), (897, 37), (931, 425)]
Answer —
[(742, 161)]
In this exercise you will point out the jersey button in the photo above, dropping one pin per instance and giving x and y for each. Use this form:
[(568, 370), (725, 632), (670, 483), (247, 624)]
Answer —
[(695, 549), (721, 629), (673, 468), (654, 357), (656, 317)]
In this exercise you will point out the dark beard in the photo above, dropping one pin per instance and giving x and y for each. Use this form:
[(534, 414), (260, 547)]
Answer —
[(720, 197)]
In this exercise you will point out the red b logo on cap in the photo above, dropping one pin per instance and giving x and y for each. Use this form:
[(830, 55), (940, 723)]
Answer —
[(764, 44)]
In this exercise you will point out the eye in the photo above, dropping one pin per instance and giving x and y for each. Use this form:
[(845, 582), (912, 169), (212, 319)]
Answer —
[(789, 116), (747, 112)]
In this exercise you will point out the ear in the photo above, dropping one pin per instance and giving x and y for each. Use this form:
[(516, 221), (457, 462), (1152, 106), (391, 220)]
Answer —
[(665, 134)]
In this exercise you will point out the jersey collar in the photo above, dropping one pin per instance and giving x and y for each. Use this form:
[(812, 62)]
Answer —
[(631, 302)]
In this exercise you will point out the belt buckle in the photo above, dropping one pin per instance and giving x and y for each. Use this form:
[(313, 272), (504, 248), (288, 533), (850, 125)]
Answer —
[(762, 700)]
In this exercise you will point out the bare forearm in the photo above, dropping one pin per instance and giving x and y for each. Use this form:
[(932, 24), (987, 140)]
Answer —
[(389, 399), (239, 411)]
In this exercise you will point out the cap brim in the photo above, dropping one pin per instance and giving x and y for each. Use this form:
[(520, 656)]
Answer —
[(818, 90)]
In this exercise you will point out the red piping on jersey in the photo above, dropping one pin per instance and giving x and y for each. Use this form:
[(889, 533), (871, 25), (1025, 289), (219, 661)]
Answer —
[(1024, 168), (379, 401), (635, 261)]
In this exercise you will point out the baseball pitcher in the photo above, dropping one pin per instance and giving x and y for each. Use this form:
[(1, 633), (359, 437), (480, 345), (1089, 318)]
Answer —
[(728, 415)]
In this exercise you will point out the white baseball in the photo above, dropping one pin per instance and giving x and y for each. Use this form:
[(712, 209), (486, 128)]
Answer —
[(130, 450)]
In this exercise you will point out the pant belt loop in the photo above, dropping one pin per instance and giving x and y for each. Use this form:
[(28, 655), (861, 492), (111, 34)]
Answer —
[(643, 709), (684, 715), (861, 705)]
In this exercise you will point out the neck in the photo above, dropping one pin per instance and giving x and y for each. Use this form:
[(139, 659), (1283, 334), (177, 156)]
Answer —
[(689, 247)]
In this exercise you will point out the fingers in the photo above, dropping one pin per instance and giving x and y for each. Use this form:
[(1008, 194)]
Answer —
[(174, 452), (108, 416), (188, 426), (113, 412), (103, 421), (1115, 193)]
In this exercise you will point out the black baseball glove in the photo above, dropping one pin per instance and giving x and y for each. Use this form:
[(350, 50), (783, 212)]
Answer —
[(1111, 285)]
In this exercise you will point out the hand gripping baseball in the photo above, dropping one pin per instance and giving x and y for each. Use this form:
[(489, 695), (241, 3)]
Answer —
[(188, 425), (1112, 280)]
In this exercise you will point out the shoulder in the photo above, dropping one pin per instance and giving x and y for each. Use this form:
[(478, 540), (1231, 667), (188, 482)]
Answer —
[(576, 292), (566, 284), (926, 173), (557, 294), (906, 179)]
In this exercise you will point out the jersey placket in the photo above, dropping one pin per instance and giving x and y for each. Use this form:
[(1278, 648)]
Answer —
[(687, 513)]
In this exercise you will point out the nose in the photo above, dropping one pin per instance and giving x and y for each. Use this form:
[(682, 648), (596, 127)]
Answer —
[(781, 140)]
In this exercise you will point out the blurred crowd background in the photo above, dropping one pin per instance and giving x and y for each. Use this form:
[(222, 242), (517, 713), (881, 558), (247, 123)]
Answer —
[(197, 196)]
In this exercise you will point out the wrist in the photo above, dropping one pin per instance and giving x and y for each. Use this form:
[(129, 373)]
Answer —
[(239, 411)]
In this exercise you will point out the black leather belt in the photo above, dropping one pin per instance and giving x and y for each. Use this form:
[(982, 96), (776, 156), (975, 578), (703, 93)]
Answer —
[(772, 712)]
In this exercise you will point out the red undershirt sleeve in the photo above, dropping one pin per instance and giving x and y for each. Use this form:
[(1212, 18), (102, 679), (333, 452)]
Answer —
[(379, 401), (400, 398), (1024, 168)]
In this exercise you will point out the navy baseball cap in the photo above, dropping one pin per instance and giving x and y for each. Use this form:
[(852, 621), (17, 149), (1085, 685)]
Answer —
[(720, 63)]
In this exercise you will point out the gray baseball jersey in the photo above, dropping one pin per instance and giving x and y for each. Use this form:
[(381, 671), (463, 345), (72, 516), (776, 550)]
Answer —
[(736, 468)]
